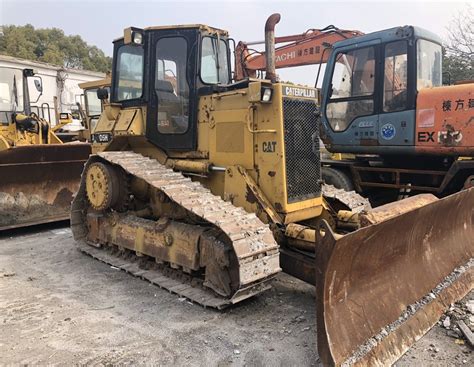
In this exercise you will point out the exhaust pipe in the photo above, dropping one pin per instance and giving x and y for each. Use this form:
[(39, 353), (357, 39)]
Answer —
[(270, 46)]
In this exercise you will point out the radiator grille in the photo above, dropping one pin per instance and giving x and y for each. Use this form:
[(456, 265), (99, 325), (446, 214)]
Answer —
[(303, 166)]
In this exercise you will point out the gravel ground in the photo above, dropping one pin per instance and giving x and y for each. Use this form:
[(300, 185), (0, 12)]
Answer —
[(59, 306)]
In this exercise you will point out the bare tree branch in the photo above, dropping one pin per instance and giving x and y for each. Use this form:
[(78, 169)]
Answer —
[(461, 35)]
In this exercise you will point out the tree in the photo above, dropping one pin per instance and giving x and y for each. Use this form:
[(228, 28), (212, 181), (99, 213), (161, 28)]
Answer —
[(458, 58), (51, 45)]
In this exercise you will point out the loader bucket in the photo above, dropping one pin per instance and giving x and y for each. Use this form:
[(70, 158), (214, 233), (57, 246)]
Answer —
[(37, 182), (381, 288)]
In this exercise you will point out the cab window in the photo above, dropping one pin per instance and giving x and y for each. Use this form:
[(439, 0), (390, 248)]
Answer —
[(11, 90), (214, 61), (171, 85), (11, 93), (428, 65), (94, 104), (352, 87), (396, 76), (129, 71)]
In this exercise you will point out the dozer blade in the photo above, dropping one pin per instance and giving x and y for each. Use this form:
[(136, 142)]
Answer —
[(381, 288), (37, 182)]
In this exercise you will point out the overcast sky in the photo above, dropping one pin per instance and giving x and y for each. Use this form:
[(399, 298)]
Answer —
[(99, 22)]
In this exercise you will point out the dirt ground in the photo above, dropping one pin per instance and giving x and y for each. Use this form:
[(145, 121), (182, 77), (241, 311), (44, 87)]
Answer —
[(59, 306)]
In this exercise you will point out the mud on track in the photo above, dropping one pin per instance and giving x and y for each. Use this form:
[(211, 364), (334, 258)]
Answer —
[(59, 306)]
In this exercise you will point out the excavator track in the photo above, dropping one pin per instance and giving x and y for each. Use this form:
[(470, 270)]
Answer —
[(251, 240)]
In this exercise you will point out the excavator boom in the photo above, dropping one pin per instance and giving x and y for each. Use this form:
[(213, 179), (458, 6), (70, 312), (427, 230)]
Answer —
[(308, 48)]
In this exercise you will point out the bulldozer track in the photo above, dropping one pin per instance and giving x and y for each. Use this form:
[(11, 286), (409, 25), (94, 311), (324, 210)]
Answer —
[(354, 201), (252, 240), (165, 277)]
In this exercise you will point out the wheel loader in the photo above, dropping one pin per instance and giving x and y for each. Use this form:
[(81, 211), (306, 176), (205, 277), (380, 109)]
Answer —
[(210, 188), (38, 172), (92, 108)]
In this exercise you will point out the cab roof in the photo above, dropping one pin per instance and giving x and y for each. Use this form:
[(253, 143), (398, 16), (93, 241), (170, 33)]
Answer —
[(392, 34), (201, 27), (96, 83)]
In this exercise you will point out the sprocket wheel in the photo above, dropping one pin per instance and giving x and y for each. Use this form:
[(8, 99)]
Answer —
[(106, 187)]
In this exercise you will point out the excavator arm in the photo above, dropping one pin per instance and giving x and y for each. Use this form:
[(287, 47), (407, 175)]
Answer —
[(308, 48)]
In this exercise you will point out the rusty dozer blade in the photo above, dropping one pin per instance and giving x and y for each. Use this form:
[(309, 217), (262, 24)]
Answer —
[(37, 182), (381, 288)]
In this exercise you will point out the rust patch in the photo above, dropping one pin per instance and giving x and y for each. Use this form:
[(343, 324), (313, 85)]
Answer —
[(450, 137), (250, 196), (178, 244), (63, 198), (325, 137)]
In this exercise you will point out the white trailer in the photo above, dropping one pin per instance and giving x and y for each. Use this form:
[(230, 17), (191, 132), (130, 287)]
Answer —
[(60, 86)]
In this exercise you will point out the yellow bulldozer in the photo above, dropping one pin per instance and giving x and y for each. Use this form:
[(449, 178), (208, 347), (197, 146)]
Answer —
[(38, 172), (209, 188)]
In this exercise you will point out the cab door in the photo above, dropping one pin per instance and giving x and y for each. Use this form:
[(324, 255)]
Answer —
[(397, 112), (172, 108), (350, 112)]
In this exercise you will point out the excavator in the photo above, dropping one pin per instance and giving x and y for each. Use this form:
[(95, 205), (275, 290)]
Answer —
[(391, 127), (209, 188), (39, 173)]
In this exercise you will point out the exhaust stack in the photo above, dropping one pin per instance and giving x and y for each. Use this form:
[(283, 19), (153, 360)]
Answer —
[(270, 46)]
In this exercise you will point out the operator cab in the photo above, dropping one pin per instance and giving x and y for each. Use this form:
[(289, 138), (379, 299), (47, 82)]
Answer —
[(370, 89), (15, 96), (166, 69)]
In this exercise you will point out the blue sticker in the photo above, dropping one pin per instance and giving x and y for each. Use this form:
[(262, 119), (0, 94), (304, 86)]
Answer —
[(388, 131)]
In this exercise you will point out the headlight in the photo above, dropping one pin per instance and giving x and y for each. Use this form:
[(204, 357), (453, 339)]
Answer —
[(266, 95), (137, 38)]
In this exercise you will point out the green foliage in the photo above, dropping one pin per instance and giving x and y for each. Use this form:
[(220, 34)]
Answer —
[(52, 46), (456, 68)]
